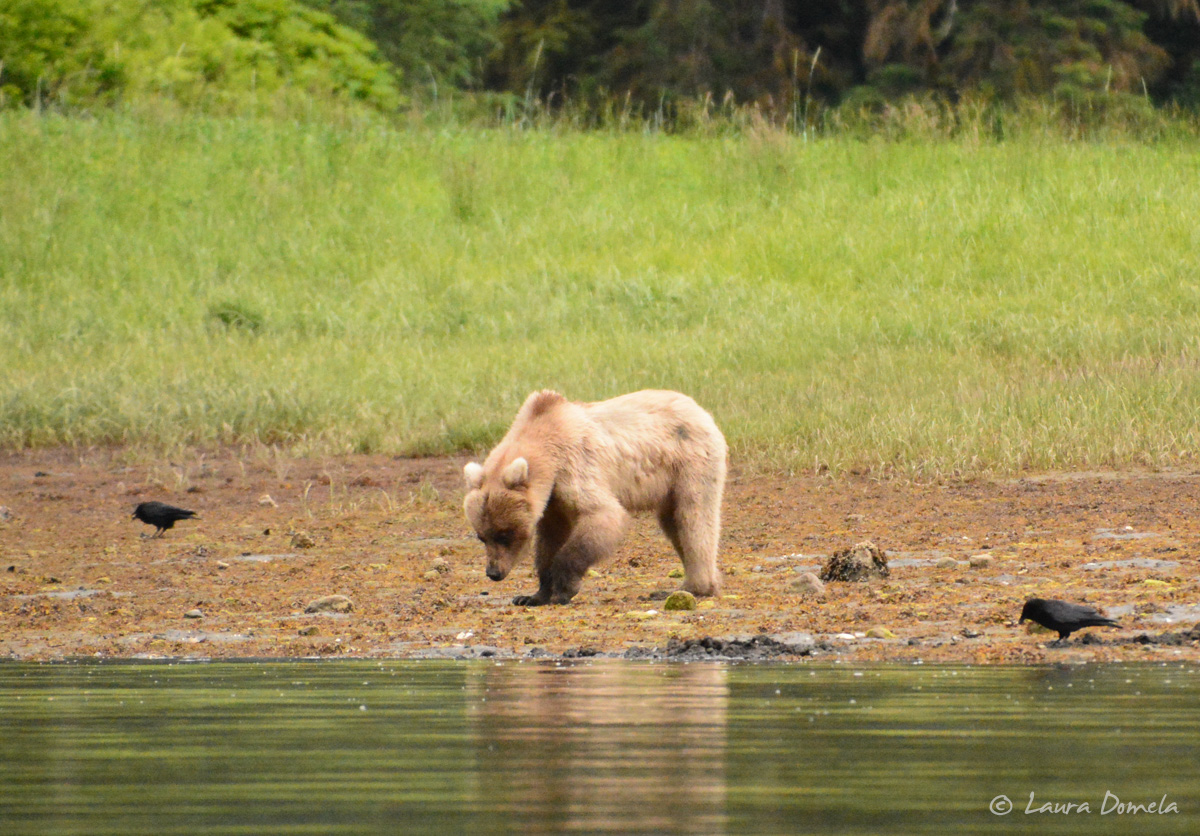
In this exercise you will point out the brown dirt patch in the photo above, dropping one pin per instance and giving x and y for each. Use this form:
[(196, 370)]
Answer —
[(79, 578)]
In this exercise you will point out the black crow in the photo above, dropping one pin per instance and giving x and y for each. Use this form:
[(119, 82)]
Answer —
[(160, 515), (1063, 617)]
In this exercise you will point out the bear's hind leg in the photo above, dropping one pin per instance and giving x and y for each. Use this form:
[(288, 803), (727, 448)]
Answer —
[(693, 525)]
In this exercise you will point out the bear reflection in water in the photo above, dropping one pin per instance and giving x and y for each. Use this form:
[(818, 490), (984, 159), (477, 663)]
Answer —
[(608, 746)]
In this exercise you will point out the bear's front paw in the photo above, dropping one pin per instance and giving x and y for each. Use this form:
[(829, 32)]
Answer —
[(528, 601)]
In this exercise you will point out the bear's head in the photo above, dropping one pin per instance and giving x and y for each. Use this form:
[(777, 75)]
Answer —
[(501, 514)]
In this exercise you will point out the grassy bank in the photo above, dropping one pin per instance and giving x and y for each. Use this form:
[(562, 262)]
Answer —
[(948, 305)]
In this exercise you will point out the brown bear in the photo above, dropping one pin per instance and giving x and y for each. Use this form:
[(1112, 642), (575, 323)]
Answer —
[(571, 473)]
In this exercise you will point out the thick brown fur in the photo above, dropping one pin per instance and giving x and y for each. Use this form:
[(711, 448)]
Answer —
[(567, 475)]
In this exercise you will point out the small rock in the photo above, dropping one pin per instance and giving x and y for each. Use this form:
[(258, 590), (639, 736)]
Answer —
[(331, 603), (880, 633), (946, 563), (968, 633), (310, 630), (859, 563), (431, 575), (796, 643), (980, 561), (5, 514), (193, 614), (809, 585), (675, 573), (681, 600), (221, 564), (302, 540), (440, 565)]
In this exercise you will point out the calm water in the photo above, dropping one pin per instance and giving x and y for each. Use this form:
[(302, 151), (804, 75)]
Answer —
[(486, 747)]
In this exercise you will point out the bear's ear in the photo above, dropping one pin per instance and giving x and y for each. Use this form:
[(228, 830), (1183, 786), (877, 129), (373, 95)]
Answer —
[(516, 475), (473, 473)]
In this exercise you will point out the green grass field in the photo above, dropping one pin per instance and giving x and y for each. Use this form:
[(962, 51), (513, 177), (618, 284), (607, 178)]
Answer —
[(937, 306)]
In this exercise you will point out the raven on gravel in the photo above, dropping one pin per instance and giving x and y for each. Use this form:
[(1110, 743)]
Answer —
[(160, 515), (1063, 617)]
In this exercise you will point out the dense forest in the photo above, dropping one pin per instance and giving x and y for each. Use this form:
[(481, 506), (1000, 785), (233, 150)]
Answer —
[(650, 54)]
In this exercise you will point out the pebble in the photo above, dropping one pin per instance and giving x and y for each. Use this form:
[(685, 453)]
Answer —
[(440, 565), (302, 540), (431, 575), (880, 633), (809, 584), (331, 603), (221, 564), (981, 561), (193, 614), (946, 563), (310, 630)]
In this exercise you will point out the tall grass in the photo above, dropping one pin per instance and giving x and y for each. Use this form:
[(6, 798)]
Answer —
[(952, 305)]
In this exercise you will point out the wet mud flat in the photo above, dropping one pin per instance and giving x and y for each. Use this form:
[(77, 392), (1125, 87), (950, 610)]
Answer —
[(370, 556)]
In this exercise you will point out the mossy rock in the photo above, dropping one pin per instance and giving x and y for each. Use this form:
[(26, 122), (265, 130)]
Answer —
[(680, 600)]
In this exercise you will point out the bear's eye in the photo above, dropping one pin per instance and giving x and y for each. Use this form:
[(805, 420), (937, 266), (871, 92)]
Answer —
[(481, 538), (504, 538)]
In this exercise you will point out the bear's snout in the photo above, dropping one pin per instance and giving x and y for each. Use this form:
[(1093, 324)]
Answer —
[(496, 573)]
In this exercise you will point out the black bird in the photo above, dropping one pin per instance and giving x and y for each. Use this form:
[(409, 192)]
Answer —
[(1063, 617), (160, 515)]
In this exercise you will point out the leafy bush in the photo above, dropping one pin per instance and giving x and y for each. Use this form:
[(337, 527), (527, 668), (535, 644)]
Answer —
[(219, 54)]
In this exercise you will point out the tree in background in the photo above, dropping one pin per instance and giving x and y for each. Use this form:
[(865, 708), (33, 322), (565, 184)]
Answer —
[(1065, 47), (1174, 25), (769, 51), (687, 49), (432, 43)]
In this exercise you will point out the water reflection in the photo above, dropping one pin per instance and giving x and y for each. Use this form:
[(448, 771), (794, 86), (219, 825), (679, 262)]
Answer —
[(614, 747), (430, 747)]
